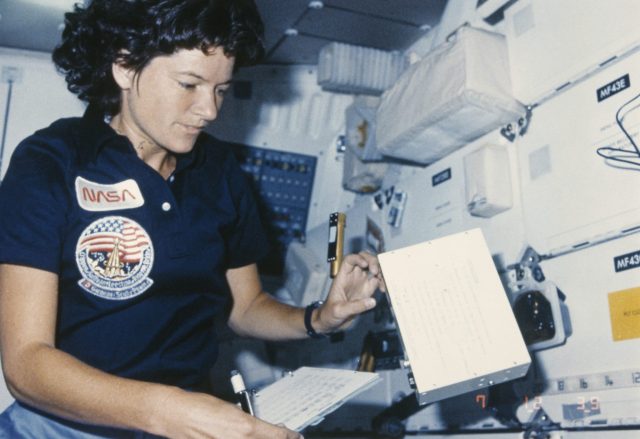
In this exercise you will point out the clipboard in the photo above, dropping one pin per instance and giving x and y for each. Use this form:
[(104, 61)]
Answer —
[(457, 328), (304, 397)]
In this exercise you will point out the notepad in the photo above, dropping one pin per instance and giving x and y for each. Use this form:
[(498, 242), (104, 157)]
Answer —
[(457, 327), (304, 397)]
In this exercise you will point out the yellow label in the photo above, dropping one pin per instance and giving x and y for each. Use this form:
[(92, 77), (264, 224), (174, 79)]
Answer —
[(624, 308)]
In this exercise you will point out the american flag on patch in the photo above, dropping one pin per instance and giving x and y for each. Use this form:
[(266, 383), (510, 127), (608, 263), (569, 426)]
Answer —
[(102, 237)]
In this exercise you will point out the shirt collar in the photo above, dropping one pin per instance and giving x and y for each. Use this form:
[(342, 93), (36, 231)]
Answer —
[(95, 134)]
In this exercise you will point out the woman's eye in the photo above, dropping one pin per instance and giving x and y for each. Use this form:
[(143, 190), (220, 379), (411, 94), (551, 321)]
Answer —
[(221, 91), (187, 85)]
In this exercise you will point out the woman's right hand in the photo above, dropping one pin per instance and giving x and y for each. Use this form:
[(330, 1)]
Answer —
[(184, 414)]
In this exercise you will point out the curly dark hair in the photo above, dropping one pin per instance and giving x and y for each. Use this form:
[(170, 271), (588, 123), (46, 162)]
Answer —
[(133, 32)]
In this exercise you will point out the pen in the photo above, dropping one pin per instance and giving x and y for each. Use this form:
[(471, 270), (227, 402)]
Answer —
[(244, 399)]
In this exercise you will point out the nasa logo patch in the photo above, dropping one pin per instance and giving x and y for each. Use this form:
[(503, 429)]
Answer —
[(114, 255), (97, 197)]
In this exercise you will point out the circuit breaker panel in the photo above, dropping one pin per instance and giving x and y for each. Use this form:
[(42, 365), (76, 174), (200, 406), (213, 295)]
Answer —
[(282, 183)]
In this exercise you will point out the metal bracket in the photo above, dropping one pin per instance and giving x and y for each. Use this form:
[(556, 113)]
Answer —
[(508, 132), (341, 144), (539, 426), (11, 74), (529, 266), (523, 122), (519, 128), (452, 34)]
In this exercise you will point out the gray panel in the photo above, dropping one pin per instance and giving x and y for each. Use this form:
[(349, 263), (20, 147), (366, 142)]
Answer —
[(25, 25), (383, 24), (354, 28), (299, 49), (417, 12), (278, 16)]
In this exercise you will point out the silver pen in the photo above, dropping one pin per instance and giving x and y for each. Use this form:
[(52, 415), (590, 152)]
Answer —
[(244, 398)]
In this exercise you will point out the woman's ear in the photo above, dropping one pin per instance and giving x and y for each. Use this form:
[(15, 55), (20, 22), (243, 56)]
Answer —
[(123, 75)]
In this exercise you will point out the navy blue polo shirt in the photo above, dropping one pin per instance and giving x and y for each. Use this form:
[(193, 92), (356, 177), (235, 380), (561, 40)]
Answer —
[(141, 260)]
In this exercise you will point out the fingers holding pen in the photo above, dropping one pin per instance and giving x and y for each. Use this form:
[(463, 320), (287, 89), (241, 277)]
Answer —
[(363, 260), (367, 265)]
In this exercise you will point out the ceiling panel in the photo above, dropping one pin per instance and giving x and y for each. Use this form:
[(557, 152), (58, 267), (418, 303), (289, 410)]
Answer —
[(32, 25), (297, 50), (354, 28), (416, 12), (295, 30), (381, 24), (278, 16)]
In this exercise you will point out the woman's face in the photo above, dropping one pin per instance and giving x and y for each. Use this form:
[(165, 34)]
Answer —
[(173, 98)]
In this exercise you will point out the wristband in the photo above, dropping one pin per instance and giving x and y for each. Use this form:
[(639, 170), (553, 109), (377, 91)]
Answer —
[(307, 319)]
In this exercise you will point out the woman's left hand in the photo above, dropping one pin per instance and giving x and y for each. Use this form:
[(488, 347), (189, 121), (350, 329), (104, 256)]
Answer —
[(351, 292)]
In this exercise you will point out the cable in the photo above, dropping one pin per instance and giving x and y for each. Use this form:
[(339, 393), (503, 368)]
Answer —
[(613, 154), (621, 155), (619, 121), (6, 121)]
